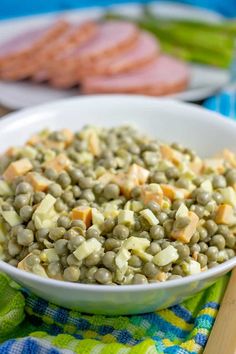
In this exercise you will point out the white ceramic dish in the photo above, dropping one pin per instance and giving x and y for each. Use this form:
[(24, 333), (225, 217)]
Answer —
[(193, 126), (203, 83)]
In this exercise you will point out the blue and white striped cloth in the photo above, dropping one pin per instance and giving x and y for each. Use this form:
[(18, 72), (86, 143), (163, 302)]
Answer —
[(224, 102)]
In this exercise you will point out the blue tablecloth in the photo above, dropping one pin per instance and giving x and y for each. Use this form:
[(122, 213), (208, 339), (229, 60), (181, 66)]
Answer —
[(14, 8)]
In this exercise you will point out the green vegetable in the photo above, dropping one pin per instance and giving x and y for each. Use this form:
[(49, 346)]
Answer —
[(189, 40)]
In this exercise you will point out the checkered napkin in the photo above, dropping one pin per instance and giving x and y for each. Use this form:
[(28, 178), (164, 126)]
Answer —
[(48, 329)]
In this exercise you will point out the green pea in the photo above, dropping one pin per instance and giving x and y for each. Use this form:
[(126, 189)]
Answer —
[(154, 248), (199, 210), (144, 234), (219, 182), (21, 200), (13, 262), (108, 225), (183, 251), (67, 197), (25, 237), (64, 180), (42, 234), (76, 191), (92, 233), (168, 226), (230, 253), (75, 242), (88, 195), (64, 221), (14, 248), (135, 261), (157, 232), (218, 198), (136, 192), (121, 232), (56, 233), (195, 248), (223, 230), (85, 183), (54, 270), (90, 275), (73, 261), (176, 204), (38, 197), (75, 175), (26, 213), (108, 260), (51, 174), (181, 222), (164, 244), (212, 253), (98, 188), (24, 188), (183, 183), (162, 217), (203, 197), (150, 270), (203, 247), (202, 233), (230, 241), (61, 246), (177, 270), (231, 177), (139, 279), (172, 173), (78, 223), (168, 268), (92, 260), (55, 190), (195, 238), (72, 274), (202, 259), (111, 244), (154, 207), (59, 206), (111, 191), (103, 276), (218, 241), (31, 226), (159, 177), (211, 227)]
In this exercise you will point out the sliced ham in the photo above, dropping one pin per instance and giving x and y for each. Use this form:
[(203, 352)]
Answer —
[(75, 36), (24, 45), (112, 37), (165, 75), (37, 63), (145, 49)]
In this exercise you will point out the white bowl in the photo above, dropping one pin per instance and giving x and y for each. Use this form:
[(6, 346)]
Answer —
[(193, 126)]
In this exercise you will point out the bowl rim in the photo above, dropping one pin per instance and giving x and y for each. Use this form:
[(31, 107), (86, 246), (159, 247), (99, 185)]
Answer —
[(210, 273)]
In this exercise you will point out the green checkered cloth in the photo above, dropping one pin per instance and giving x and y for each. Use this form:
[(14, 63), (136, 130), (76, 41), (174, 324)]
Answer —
[(181, 329)]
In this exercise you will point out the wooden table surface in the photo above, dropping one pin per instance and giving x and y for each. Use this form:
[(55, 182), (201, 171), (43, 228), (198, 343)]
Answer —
[(3, 111)]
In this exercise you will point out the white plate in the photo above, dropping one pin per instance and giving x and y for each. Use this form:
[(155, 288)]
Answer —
[(204, 80), (162, 118)]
